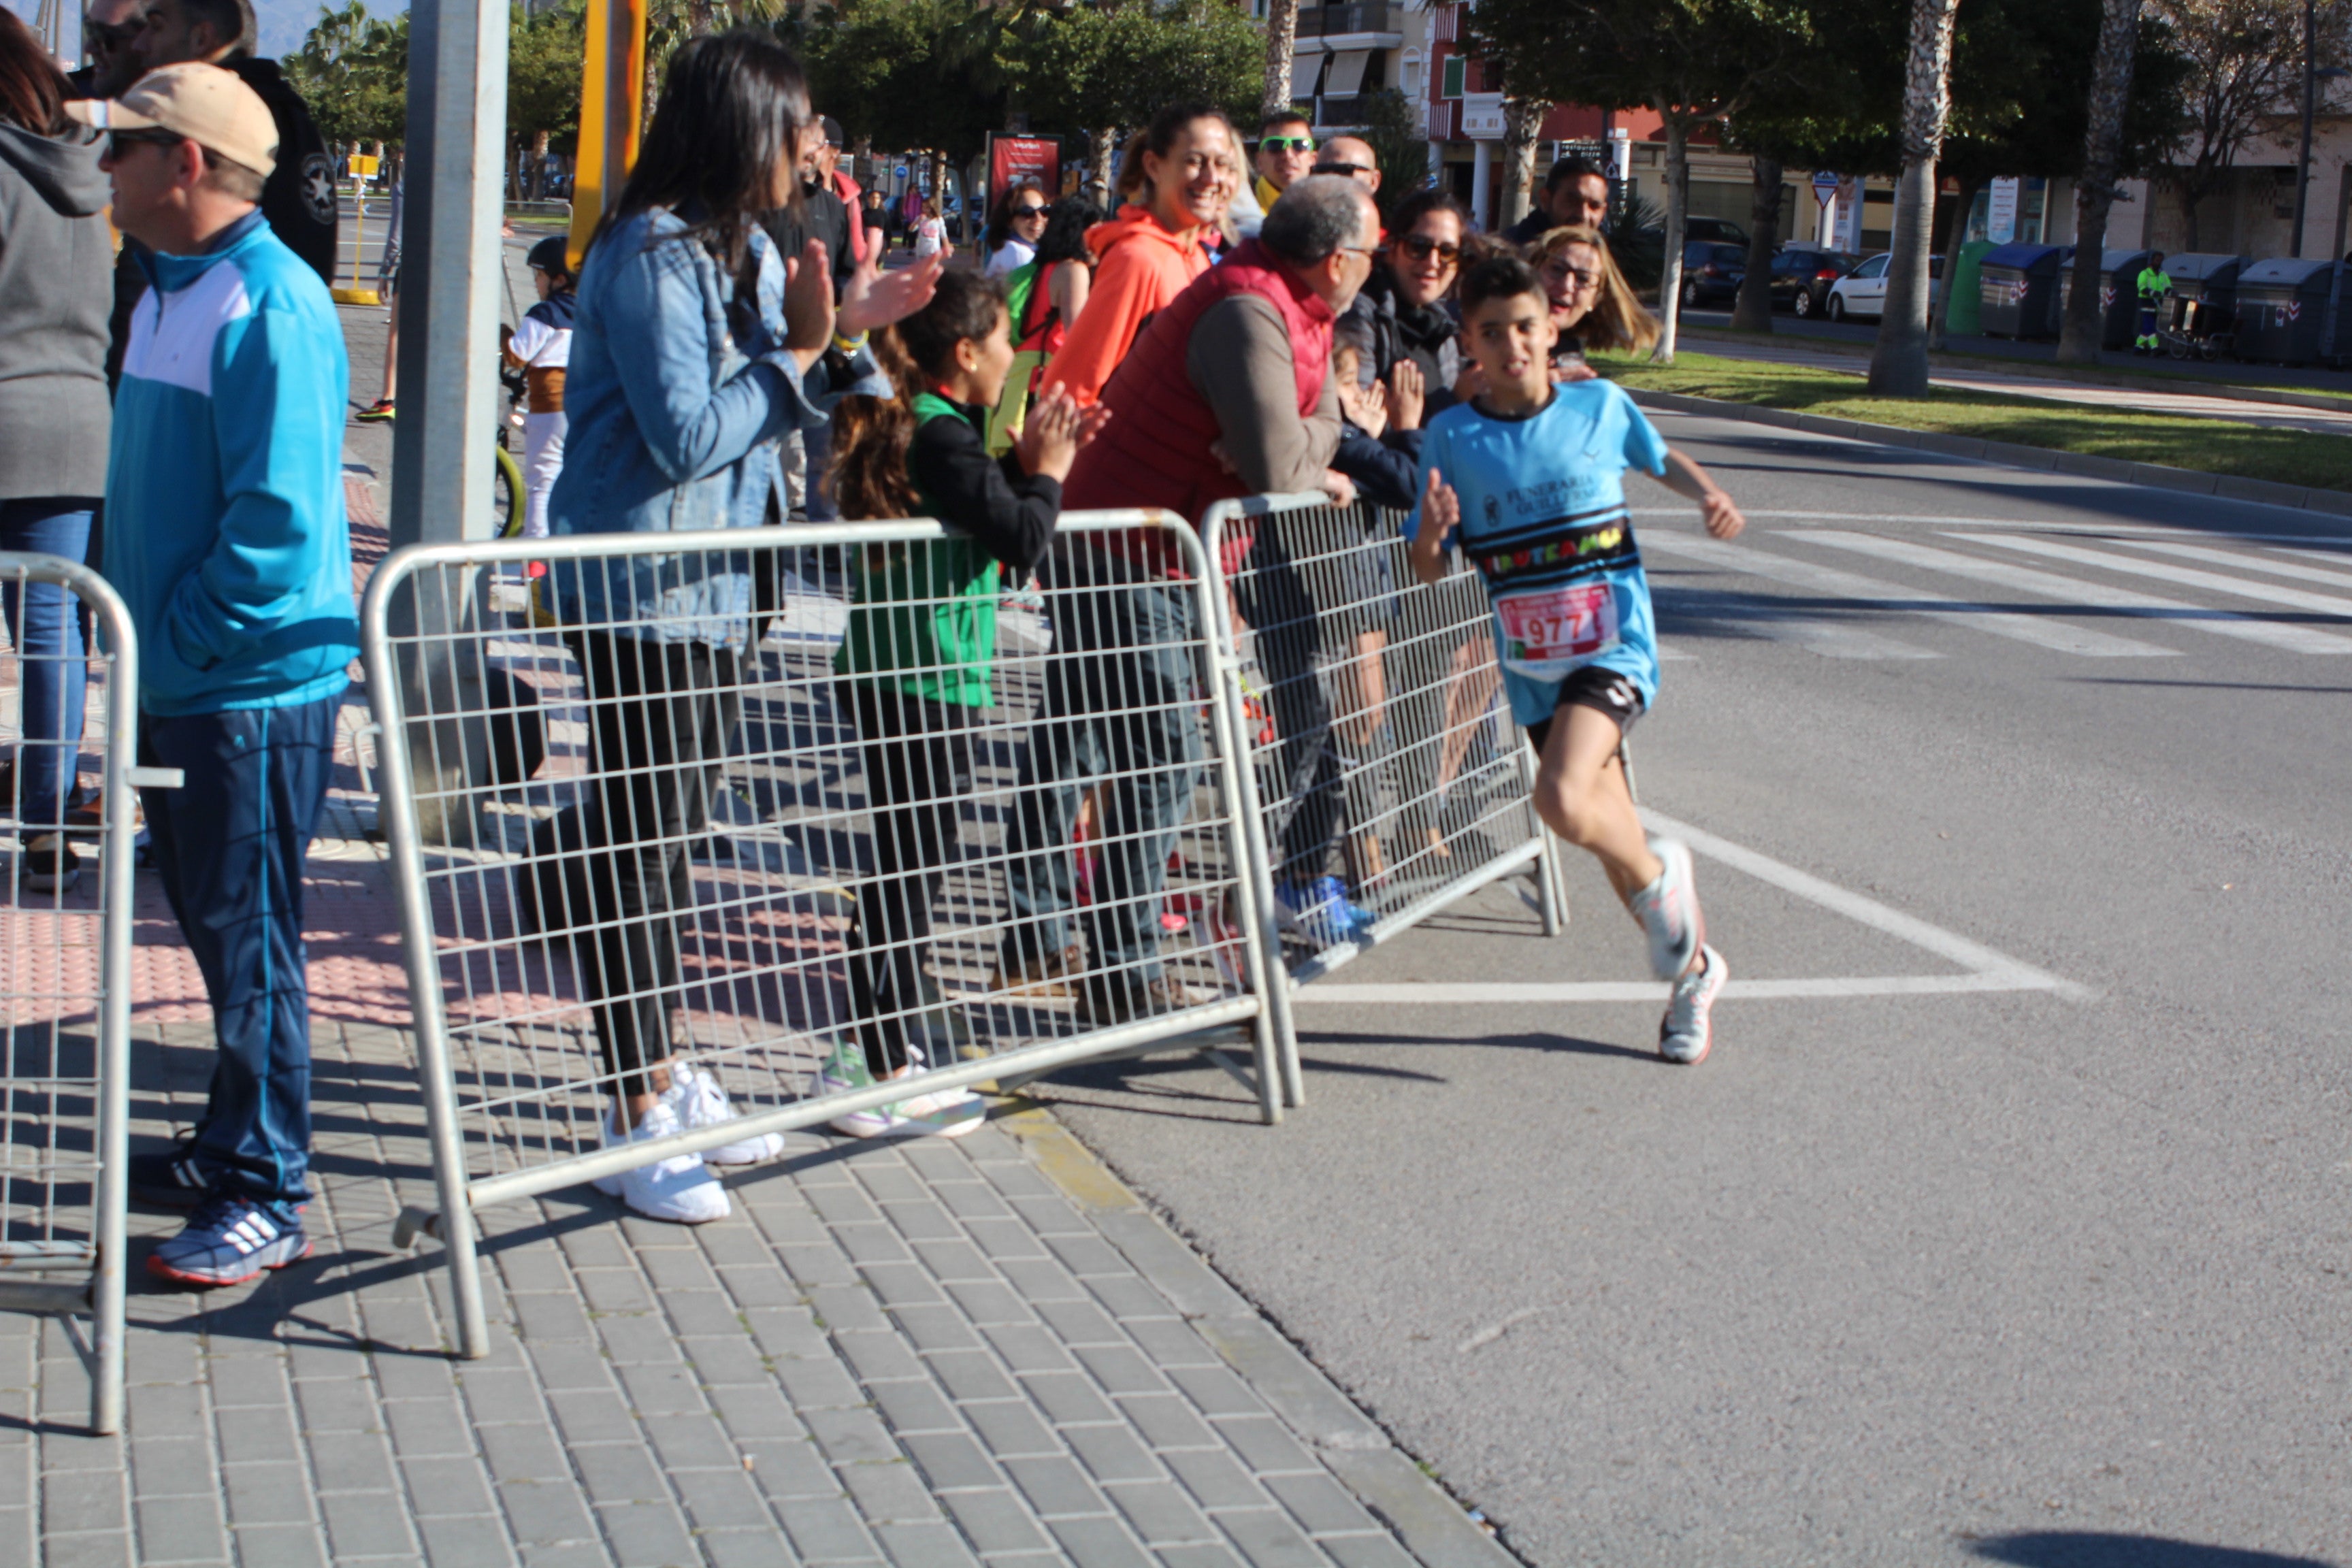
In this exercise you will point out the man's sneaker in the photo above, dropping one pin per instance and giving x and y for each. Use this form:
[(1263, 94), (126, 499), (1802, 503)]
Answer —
[(700, 1102), (229, 1240), (50, 865), (1668, 911), (843, 1070), (1042, 973), (376, 413), (1105, 1005), (939, 1113), (1688, 1031), (170, 1177), (679, 1189), (1319, 911)]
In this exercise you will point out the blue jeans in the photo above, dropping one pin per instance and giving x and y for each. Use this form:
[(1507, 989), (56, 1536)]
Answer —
[(230, 843), (46, 628), (817, 444), (1122, 696)]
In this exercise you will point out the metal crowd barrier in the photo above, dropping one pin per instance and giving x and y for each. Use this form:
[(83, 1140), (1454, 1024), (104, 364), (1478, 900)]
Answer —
[(1381, 752), (611, 850), (65, 964)]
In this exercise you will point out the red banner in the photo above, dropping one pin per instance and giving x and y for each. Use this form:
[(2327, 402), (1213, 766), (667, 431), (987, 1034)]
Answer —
[(1012, 158)]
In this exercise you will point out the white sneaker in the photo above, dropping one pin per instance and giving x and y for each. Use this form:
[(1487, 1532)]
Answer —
[(1668, 911), (1688, 1031), (679, 1189), (939, 1113), (700, 1102)]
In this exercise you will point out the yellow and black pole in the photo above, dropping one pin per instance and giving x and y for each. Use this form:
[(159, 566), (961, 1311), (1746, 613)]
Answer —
[(611, 106)]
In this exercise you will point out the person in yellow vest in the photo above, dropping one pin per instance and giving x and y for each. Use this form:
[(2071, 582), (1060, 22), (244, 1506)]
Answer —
[(2153, 286)]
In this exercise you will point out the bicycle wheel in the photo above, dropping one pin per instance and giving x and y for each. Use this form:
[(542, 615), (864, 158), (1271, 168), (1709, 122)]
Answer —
[(506, 487)]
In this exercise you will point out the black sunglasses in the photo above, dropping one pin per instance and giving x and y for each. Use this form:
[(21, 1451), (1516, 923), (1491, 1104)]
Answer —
[(111, 36), (1019, 213), (117, 142), (1349, 170), (1421, 247)]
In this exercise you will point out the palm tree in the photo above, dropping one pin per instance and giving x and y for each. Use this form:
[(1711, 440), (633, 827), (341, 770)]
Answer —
[(1898, 365), (1281, 43), (2110, 77)]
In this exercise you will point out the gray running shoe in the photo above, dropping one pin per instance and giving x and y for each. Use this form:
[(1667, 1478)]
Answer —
[(1688, 1031), (1668, 911)]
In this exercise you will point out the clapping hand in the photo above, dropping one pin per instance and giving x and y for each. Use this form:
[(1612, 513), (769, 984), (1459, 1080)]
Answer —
[(1057, 428)]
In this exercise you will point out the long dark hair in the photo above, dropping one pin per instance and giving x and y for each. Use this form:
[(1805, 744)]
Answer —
[(731, 110), (32, 90), (871, 435), (999, 224), (1064, 238)]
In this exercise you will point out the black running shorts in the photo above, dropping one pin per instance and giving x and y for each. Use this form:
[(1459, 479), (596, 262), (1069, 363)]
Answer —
[(1603, 690)]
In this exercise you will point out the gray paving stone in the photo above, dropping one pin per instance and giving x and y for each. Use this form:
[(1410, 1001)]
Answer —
[(1366, 1551), (864, 1245), (1205, 1554), (613, 1473), (592, 1415), (762, 1548), (1216, 1477), (279, 1546), (1099, 1543), (1055, 1488), (678, 1271), (1169, 1342), (523, 1451), (89, 1499), (263, 1432), (661, 1388), (754, 1410), (338, 1405), (1264, 1444), (827, 1530), (840, 1206), (1041, 1280), (927, 1221), (171, 1411), (638, 1339), (475, 1542), (879, 1353), (719, 1499), (891, 1492), (1079, 1323), (1161, 1513), (180, 1530), (1318, 1503), (813, 1384), (953, 1259), (1009, 1428), (789, 1471), (935, 1328), (440, 1489), (1167, 1421), (851, 1436), (1051, 1216), (1268, 1539), (1026, 1347), (1215, 1391), (704, 1314), (916, 1406), (840, 1308), (1068, 1396), (971, 1374), (900, 1284), (105, 1549), (691, 1442), (950, 1460), (171, 1467), (1113, 1453), (545, 1511), (996, 1521), (277, 1493), (991, 1302), (923, 1545), (365, 1524), (428, 1429)]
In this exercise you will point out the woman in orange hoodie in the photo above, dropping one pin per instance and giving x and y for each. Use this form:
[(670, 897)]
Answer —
[(1149, 251)]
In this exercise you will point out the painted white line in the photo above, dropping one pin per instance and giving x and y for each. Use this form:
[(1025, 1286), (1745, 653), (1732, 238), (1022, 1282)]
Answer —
[(2074, 590), (1929, 519), (1832, 639), (1441, 993), (2187, 577), (1987, 970), (2298, 570), (2060, 637)]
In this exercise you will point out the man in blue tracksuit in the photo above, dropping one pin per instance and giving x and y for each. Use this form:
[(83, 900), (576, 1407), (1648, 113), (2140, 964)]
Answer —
[(226, 538)]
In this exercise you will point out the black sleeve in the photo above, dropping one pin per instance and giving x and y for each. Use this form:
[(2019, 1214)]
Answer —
[(1384, 475), (1010, 514)]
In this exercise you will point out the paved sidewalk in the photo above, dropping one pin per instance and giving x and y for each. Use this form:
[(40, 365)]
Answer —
[(984, 1350)]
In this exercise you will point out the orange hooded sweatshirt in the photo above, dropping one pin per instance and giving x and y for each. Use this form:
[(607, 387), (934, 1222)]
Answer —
[(1140, 267)]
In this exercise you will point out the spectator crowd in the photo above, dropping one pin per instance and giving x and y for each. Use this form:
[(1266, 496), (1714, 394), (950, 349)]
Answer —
[(734, 353)]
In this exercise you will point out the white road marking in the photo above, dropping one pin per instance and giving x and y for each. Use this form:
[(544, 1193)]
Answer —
[(2040, 630), (1987, 970), (2298, 570), (1831, 639), (2074, 590), (2187, 577), (1929, 519)]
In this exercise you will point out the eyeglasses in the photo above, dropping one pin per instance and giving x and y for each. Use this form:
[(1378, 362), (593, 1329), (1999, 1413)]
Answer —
[(1349, 170), (1558, 273), (1421, 248), (1020, 215), (120, 141), (1288, 144)]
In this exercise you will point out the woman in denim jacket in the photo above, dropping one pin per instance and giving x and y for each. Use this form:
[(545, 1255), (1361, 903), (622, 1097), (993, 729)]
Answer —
[(696, 348)]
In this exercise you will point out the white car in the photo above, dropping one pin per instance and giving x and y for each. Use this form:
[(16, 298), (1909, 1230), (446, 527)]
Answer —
[(1862, 294)]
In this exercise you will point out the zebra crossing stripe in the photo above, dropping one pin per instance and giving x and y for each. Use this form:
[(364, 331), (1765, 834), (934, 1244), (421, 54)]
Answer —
[(2187, 577), (2040, 631), (2302, 572), (2078, 591)]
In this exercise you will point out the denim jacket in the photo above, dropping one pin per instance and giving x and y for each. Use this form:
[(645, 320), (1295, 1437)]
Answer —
[(675, 420)]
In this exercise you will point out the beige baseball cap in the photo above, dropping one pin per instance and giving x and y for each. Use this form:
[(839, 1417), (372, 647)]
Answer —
[(207, 105)]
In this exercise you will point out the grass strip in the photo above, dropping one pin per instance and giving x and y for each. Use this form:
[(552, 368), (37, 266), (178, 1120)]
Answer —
[(2310, 458)]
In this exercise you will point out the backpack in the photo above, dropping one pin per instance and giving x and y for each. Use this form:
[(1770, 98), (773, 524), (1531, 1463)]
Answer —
[(1022, 295)]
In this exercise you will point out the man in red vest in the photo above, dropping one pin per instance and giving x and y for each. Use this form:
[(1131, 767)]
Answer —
[(1227, 392)]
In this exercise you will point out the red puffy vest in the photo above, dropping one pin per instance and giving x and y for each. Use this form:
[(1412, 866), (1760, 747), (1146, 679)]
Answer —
[(1156, 450)]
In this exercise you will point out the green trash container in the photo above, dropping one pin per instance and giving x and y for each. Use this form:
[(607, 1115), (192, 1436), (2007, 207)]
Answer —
[(1963, 289)]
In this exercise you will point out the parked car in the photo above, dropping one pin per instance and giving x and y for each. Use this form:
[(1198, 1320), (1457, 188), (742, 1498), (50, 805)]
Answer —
[(1712, 272), (1862, 294), (1802, 278)]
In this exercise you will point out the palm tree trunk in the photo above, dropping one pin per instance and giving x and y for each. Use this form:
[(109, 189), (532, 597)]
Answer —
[(1523, 119), (1752, 311), (2094, 193), (1898, 365), (1105, 149), (1281, 42), (1670, 281)]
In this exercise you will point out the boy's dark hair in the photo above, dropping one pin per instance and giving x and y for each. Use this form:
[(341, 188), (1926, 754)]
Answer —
[(872, 435), (1501, 277), (1568, 169), (1282, 117)]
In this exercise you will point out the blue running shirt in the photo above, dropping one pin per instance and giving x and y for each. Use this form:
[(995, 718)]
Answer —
[(1544, 521)]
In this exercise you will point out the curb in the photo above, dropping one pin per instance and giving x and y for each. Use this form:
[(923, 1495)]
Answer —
[(1429, 1523), (2086, 375), (2010, 454)]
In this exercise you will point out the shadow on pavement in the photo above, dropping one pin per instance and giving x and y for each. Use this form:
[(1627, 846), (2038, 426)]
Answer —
[(2098, 1549)]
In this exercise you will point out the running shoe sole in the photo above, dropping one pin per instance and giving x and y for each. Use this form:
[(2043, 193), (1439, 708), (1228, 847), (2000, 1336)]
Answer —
[(254, 1269)]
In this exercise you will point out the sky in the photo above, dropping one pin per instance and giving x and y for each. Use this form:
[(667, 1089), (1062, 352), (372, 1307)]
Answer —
[(284, 23)]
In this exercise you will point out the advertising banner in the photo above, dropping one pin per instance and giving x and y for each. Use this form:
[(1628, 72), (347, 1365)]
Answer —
[(1012, 158)]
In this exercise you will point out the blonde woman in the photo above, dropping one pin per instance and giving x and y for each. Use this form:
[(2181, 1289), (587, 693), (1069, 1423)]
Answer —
[(1593, 305)]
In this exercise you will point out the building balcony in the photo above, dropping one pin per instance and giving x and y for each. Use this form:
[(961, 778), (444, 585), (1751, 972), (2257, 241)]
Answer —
[(1350, 111), (1342, 21)]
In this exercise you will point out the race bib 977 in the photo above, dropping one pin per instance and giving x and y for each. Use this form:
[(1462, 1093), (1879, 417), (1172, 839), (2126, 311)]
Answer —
[(1548, 632)]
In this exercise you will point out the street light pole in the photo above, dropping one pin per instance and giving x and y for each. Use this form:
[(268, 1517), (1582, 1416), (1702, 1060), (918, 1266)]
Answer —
[(2310, 89)]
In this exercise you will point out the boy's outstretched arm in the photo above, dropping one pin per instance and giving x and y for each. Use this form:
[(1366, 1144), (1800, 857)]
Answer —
[(1440, 511), (1717, 509)]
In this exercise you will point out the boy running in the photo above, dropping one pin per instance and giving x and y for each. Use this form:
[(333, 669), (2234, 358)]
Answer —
[(1528, 477), (542, 349)]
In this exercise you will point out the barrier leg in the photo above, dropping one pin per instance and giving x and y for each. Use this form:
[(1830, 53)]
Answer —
[(1254, 881)]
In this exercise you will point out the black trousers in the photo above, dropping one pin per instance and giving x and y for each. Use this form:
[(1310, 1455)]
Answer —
[(918, 769), (661, 717), (1273, 597)]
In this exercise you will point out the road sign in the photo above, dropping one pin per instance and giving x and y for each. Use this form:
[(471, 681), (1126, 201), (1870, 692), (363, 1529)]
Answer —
[(1825, 185), (902, 171)]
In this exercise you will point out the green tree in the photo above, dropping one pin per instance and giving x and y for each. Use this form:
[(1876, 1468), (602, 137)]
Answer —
[(545, 66), (352, 70)]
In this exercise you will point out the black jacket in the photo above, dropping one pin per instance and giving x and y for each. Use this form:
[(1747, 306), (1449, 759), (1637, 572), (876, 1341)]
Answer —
[(299, 201), (1008, 513), (822, 215)]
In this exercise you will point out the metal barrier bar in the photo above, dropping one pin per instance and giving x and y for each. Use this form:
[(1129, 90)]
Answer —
[(1387, 779), (65, 964), (847, 837)]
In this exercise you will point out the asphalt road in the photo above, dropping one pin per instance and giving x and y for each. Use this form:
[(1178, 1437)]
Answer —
[(2019, 1236)]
